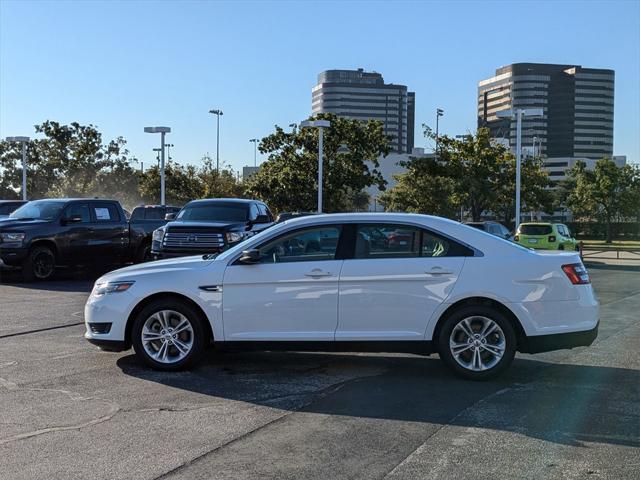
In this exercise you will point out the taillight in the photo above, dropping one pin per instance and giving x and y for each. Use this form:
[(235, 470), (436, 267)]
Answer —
[(576, 273), (552, 238), (516, 238)]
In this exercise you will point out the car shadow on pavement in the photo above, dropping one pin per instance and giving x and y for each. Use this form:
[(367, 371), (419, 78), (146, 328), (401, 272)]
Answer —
[(559, 403)]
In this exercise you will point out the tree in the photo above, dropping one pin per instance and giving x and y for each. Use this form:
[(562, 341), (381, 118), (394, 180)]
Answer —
[(606, 192), (219, 183), (72, 161), (182, 184), (287, 181), (475, 173)]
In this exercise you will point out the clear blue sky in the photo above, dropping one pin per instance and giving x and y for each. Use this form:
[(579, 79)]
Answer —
[(126, 65)]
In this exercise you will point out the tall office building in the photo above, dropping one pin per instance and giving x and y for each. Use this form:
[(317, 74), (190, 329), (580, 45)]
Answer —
[(577, 104), (364, 96)]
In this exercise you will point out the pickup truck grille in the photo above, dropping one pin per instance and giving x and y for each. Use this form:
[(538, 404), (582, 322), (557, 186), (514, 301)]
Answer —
[(194, 240)]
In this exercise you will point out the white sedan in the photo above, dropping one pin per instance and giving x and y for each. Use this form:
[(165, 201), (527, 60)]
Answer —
[(347, 282)]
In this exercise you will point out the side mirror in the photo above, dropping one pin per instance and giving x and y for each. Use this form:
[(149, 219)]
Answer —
[(170, 216), (262, 219), (72, 219), (250, 256)]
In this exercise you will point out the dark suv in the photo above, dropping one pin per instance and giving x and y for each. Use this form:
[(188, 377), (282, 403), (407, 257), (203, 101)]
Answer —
[(210, 226), (494, 228)]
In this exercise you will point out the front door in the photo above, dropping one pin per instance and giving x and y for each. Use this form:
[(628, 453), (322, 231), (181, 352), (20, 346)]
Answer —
[(291, 294), (75, 234), (399, 275)]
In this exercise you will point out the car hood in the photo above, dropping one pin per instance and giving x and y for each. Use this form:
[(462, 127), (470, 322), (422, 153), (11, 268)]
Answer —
[(200, 224), (168, 266), (6, 223)]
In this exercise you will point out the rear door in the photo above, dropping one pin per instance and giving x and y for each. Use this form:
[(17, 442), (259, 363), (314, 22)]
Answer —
[(292, 294), (398, 276), (110, 241)]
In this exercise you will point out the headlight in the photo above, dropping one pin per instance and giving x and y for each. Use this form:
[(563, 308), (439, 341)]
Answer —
[(158, 235), (111, 287), (12, 237), (233, 237)]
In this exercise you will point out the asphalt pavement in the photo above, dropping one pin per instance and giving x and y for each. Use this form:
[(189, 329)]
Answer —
[(68, 410)]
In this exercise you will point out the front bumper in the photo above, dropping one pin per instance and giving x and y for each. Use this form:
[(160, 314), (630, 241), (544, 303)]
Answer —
[(12, 257), (108, 345), (112, 310), (558, 341)]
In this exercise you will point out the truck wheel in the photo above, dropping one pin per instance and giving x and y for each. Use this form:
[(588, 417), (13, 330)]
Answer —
[(144, 253), (39, 265)]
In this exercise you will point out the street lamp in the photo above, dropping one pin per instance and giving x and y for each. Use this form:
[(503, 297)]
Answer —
[(217, 113), (518, 113), (255, 149), (162, 131), (439, 113), (24, 141), (320, 125)]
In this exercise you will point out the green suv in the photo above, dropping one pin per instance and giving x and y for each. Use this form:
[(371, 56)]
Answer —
[(545, 236)]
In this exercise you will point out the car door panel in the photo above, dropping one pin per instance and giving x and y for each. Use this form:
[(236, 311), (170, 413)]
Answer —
[(110, 233), (292, 294), (288, 301), (392, 299), (399, 275)]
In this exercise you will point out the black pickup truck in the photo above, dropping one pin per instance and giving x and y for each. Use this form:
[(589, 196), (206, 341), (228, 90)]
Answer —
[(43, 234), (210, 226)]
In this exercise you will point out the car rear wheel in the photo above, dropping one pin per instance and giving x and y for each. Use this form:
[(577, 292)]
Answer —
[(168, 335), (39, 265), (477, 342)]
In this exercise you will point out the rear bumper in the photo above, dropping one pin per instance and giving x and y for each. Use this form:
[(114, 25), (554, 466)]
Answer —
[(558, 341)]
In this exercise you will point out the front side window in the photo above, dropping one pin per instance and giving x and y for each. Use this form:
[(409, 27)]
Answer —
[(308, 245), (397, 241), (80, 210)]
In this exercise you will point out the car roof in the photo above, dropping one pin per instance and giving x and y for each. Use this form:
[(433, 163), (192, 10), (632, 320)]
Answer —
[(225, 200), (12, 201)]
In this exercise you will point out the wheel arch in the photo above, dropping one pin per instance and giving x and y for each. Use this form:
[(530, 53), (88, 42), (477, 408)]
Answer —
[(50, 244), (164, 296), (486, 302)]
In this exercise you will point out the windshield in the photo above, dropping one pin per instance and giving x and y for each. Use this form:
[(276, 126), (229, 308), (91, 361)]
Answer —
[(217, 212), (39, 210), (535, 229)]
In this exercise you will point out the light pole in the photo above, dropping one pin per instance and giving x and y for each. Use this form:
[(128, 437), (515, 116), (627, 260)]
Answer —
[(24, 141), (169, 145), (320, 125), (518, 113), (162, 131), (217, 113), (439, 113), (255, 150)]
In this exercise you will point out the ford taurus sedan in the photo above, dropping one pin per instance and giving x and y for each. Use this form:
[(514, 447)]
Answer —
[(348, 282)]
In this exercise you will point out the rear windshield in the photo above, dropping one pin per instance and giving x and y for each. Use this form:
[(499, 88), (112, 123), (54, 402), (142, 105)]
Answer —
[(216, 212), (535, 229)]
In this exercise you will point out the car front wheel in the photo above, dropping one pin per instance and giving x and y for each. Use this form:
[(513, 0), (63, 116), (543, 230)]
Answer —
[(168, 335), (39, 265), (477, 342)]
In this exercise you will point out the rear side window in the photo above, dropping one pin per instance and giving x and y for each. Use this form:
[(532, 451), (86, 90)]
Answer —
[(403, 241), (105, 212), (535, 229)]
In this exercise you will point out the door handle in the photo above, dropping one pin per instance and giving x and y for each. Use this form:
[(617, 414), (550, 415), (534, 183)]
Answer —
[(316, 272), (438, 271)]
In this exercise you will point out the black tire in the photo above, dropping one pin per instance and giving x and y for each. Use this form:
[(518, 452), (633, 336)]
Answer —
[(199, 334), (144, 253), (509, 334), (39, 265)]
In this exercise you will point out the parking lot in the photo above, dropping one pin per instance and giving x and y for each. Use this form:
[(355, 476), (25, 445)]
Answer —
[(69, 410)]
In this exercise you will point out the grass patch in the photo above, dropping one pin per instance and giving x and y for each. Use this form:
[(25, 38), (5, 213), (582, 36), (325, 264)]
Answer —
[(615, 243)]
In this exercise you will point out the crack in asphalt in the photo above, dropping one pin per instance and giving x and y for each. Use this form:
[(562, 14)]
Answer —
[(38, 330)]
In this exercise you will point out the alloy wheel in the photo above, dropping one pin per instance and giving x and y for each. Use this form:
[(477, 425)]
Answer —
[(477, 343), (43, 264), (167, 336)]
